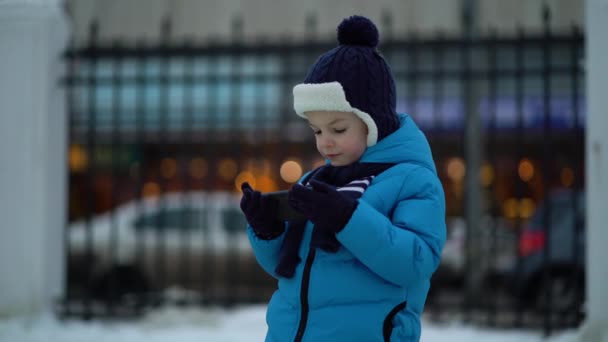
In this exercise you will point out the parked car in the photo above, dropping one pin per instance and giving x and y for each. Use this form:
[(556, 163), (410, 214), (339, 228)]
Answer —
[(195, 242), (551, 260), (470, 263)]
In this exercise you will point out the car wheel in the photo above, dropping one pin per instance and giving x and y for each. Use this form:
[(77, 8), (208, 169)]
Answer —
[(565, 291), (119, 283)]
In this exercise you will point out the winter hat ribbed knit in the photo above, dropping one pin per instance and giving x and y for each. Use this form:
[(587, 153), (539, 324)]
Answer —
[(353, 77)]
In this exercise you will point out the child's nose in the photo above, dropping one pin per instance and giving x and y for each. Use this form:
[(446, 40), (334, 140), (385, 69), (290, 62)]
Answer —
[(327, 141)]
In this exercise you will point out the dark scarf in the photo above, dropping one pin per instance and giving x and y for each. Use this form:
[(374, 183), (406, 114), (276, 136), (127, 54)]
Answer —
[(337, 176)]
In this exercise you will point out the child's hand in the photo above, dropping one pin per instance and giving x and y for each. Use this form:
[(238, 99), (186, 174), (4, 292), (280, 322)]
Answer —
[(260, 212), (325, 206)]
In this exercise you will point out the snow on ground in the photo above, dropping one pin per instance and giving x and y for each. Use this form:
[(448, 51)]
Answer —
[(218, 325)]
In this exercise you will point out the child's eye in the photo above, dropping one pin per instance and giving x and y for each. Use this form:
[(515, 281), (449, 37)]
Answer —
[(339, 131), (316, 132)]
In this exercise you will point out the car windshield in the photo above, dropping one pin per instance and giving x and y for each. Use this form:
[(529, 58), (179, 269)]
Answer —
[(181, 219)]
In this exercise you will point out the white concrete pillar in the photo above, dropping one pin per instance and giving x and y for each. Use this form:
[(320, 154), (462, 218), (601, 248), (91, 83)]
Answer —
[(32, 155), (595, 327)]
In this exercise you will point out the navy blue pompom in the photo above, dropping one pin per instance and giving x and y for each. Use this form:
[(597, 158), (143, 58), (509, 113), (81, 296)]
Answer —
[(358, 30)]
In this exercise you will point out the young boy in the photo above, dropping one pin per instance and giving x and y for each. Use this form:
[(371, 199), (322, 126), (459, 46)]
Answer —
[(359, 267)]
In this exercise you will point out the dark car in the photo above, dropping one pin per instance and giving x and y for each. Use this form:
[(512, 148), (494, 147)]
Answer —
[(551, 255)]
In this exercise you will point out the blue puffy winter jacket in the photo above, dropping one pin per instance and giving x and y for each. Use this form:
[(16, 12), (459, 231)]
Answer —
[(375, 286)]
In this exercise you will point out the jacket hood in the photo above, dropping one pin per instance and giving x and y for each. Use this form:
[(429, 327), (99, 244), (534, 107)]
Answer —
[(406, 145)]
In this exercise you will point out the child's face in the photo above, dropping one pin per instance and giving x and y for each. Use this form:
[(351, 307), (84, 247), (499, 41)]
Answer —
[(341, 136)]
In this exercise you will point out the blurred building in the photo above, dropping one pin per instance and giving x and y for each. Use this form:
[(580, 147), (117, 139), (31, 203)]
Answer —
[(204, 19)]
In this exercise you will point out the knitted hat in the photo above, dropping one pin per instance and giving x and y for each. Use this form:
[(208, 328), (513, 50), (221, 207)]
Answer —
[(353, 77)]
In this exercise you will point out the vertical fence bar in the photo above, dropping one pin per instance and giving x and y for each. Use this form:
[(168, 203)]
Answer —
[(469, 131), (546, 170), (74, 81), (141, 82), (91, 134), (209, 270), (519, 151), (574, 47), (412, 74), (200, 171), (252, 116), (438, 82), (235, 131), (387, 26), (189, 219), (206, 150), (116, 85), (163, 129), (260, 123), (492, 132)]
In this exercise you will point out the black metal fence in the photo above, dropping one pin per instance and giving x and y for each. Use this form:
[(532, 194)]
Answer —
[(162, 133)]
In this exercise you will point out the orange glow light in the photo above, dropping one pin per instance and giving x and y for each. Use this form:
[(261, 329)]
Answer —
[(486, 174), (266, 184), (168, 168), (198, 168), (456, 169), (526, 170), (227, 169), (567, 177), (526, 208), (510, 208), (78, 159), (291, 171), (151, 189), (245, 176)]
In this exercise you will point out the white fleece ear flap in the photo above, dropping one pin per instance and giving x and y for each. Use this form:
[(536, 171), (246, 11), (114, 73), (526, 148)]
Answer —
[(330, 96)]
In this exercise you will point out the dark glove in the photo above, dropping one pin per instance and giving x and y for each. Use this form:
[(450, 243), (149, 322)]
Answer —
[(325, 206), (261, 213)]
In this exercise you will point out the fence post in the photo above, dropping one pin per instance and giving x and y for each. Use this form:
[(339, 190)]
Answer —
[(473, 157), (596, 147), (32, 153)]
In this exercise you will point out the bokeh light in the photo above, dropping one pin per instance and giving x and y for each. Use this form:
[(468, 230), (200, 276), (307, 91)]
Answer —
[(151, 189), (168, 168), (198, 168), (456, 169), (486, 174), (526, 208), (245, 176), (266, 184), (510, 208), (523, 208), (567, 177), (227, 169), (78, 160), (291, 171), (526, 170)]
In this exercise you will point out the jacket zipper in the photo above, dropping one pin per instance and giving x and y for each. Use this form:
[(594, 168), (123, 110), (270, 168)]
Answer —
[(304, 295)]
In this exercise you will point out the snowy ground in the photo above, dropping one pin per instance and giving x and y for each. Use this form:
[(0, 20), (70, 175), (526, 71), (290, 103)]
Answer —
[(218, 325)]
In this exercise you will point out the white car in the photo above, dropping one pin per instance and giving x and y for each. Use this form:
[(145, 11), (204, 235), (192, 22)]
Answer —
[(192, 241)]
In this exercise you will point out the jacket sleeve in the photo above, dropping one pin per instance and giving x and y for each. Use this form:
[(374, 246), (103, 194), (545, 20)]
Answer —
[(407, 245), (266, 251)]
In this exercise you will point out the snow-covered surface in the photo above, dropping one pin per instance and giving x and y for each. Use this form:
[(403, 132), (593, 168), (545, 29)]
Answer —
[(218, 325)]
